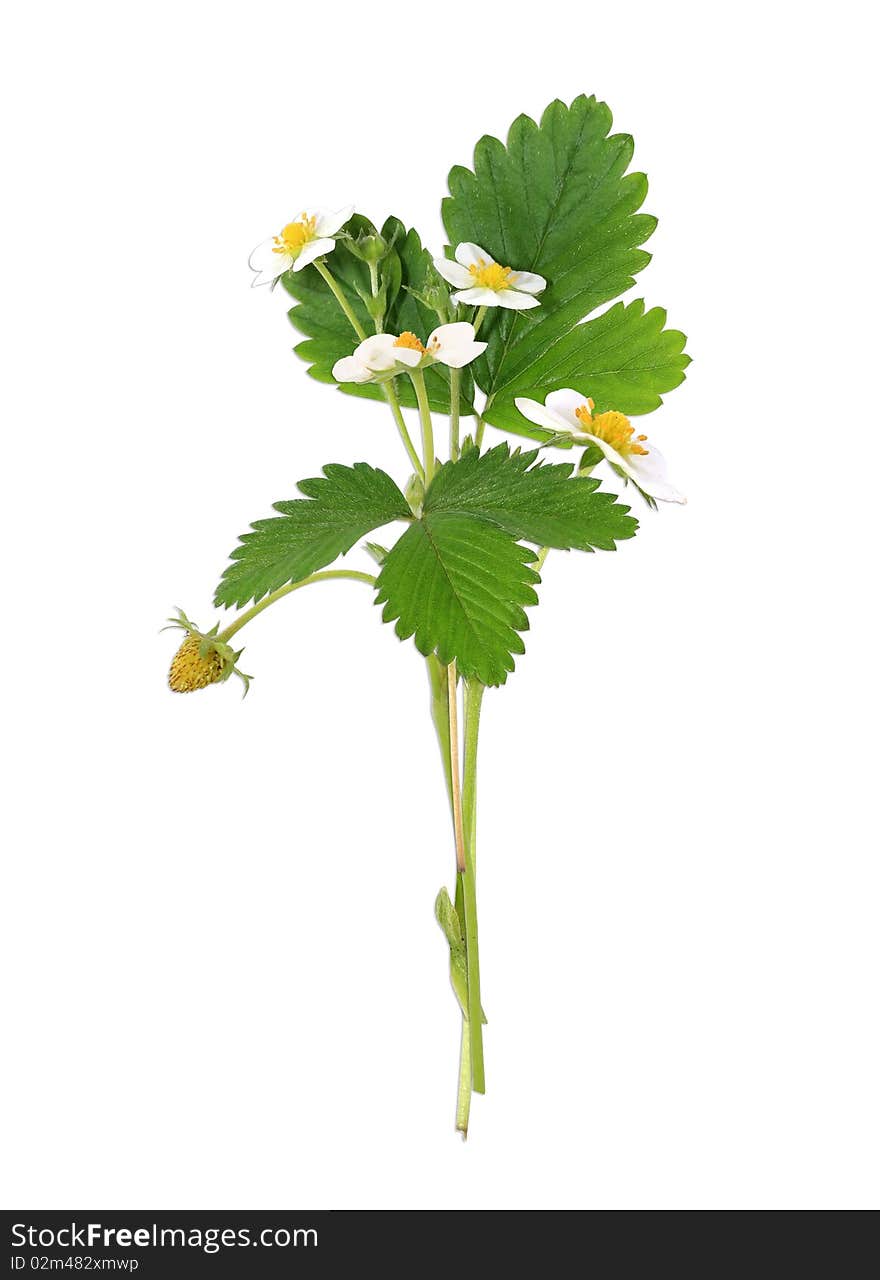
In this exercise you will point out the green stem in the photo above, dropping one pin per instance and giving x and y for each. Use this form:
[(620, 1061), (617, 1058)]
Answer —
[(374, 289), (463, 1109), (387, 388), (478, 434), (478, 319), (454, 410), (473, 698), (454, 768), (324, 576), (321, 267), (418, 381), (396, 412), (438, 675)]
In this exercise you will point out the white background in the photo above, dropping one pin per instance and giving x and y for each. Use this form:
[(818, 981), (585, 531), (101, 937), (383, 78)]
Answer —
[(224, 984)]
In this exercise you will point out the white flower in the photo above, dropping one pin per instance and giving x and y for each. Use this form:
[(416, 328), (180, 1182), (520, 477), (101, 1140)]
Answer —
[(483, 282), (300, 242), (384, 355), (572, 413)]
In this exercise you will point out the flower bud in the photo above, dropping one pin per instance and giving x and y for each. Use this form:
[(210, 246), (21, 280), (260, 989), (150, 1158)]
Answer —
[(415, 493), (367, 244), (372, 248)]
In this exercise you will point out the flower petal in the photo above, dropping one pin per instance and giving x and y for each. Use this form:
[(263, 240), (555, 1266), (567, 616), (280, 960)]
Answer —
[(477, 297), (565, 403), (408, 356), (527, 282), (610, 452), (455, 345), (457, 332), (309, 252), (264, 259), (453, 272), (350, 369), (459, 356), (514, 301), (542, 415), (649, 472), (471, 255), (266, 278), (328, 222), (377, 352)]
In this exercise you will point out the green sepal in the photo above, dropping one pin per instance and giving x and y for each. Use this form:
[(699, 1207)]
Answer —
[(376, 551), (591, 457)]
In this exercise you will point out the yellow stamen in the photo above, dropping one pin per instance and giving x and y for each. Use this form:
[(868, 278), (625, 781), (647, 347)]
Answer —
[(410, 341), (490, 275), (294, 236), (612, 427), (190, 671)]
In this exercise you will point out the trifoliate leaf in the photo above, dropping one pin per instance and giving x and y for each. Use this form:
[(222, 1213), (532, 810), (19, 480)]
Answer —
[(458, 584), (338, 509), (535, 501), (329, 334), (557, 200)]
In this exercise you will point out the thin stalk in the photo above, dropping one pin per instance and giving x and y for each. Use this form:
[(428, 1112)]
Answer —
[(396, 412), (463, 1108), (438, 675), (454, 411), (418, 381), (481, 426), (454, 767), (473, 698), (323, 576), (321, 268), (374, 288), (387, 388)]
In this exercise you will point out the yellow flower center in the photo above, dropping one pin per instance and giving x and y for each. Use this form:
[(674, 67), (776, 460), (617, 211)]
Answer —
[(490, 275), (410, 341), (294, 236), (612, 427)]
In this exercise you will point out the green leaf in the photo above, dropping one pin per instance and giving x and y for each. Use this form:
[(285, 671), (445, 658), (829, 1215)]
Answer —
[(535, 501), (338, 509), (558, 200), (329, 335), (624, 359), (458, 584)]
